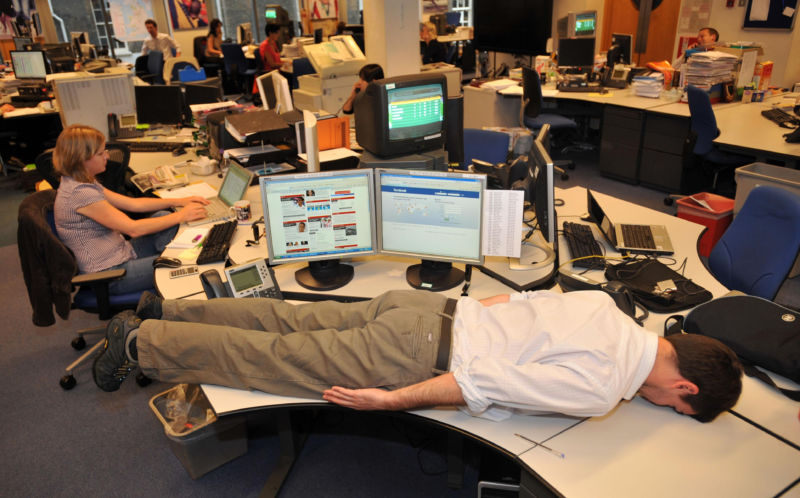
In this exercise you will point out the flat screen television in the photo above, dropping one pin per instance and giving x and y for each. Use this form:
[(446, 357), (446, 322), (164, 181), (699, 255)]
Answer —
[(402, 115), (432, 215), (319, 218), (513, 26)]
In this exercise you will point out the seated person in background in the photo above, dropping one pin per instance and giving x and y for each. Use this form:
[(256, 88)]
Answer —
[(159, 41), (429, 47), (366, 74), (270, 54), (531, 352), (90, 220), (214, 42), (706, 40)]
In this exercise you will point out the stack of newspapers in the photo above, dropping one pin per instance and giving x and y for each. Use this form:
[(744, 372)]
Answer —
[(706, 69), (648, 86)]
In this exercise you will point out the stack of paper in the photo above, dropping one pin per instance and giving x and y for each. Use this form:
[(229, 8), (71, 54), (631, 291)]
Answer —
[(498, 85), (188, 238), (648, 86), (705, 69)]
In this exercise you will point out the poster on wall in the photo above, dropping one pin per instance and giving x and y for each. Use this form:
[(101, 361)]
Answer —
[(434, 6), (770, 14), (15, 17), (128, 17), (324, 9), (187, 14)]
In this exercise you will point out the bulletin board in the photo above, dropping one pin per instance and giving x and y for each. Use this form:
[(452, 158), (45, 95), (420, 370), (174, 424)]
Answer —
[(770, 14)]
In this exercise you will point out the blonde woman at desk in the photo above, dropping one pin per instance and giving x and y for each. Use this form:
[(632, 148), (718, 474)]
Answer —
[(531, 353), (91, 221)]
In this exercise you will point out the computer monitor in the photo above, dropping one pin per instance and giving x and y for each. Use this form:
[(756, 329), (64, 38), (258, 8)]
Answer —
[(78, 38), (620, 50), (576, 52), (318, 35), (432, 215), (205, 91), (244, 34), (541, 187), (577, 24), (273, 89), (159, 104), (266, 90), (402, 115), (29, 64), (319, 218), (22, 43)]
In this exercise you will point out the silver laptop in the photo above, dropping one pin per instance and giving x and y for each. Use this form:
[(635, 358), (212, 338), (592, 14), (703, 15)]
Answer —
[(233, 188), (644, 239)]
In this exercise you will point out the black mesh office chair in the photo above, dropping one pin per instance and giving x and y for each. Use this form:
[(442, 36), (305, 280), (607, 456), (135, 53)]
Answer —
[(51, 274), (116, 177)]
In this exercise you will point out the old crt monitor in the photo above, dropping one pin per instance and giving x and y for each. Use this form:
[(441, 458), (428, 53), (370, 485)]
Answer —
[(431, 215), (29, 64), (577, 24), (402, 115), (576, 52), (274, 13), (319, 218)]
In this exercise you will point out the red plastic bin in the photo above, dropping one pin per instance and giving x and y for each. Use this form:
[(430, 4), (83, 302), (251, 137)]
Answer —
[(715, 219)]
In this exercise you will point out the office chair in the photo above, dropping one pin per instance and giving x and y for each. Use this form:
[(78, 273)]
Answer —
[(704, 125), (485, 145), (51, 274), (259, 61), (237, 68), (116, 177), (759, 248), (174, 64), (140, 67), (531, 116), (155, 67), (301, 66), (199, 51)]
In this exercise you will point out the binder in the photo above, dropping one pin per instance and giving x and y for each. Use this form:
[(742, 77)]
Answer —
[(261, 125)]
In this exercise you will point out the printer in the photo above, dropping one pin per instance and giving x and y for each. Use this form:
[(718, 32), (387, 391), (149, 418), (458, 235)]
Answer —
[(336, 62)]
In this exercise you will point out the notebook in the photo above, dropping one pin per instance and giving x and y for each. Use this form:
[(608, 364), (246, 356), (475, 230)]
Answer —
[(644, 239), (233, 188)]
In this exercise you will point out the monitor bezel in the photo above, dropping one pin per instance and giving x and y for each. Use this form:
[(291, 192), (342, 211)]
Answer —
[(29, 53), (542, 160), (379, 172), (264, 181)]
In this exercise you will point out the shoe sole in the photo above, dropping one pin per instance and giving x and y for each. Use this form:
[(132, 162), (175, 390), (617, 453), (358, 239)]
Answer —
[(109, 364)]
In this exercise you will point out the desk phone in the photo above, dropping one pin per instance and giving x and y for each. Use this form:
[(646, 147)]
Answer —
[(253, 279)]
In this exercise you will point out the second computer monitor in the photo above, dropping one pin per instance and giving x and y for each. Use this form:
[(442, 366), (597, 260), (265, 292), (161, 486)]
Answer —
[(159, 104), (29, 64), (434, 216), (620, 51), (576, 52), (319, 218), (274, 91), (542, 189), (205, 91)]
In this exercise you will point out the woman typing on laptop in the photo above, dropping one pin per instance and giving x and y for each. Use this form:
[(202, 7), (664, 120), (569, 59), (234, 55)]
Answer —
[(91, 221)]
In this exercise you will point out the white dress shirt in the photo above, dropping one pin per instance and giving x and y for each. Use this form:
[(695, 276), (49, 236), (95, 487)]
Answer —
[(544, 352), (162, 42)]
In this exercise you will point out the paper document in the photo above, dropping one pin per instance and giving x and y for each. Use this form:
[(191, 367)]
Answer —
[(202, 189), (188, 238), (214, 106), (502, 216), (511, 90), (331, 154), (500, 84)]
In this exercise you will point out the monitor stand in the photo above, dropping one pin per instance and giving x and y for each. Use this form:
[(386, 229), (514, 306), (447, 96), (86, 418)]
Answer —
[(434, 275), (325, 275)]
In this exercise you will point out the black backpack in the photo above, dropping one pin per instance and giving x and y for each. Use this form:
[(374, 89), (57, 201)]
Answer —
[(760, 332)]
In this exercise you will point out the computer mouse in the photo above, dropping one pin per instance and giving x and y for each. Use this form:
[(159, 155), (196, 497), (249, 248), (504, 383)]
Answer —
[(162, 262)]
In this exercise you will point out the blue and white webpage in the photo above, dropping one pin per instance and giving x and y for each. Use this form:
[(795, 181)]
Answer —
[(320, 216), (431, 215)]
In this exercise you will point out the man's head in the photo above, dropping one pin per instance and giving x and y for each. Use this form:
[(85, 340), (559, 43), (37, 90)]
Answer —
[(703, 377), (707, 36), (151, 27)]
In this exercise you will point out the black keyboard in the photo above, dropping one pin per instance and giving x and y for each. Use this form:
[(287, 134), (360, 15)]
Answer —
[(148, 146), (581, 244), (638, 236), (567, 88), (781, 117), (216, 246), (130, 133), (29, 98)]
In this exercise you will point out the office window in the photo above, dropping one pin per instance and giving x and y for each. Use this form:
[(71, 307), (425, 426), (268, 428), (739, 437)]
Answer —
[(235, 12), (463, 7), (86, 16)]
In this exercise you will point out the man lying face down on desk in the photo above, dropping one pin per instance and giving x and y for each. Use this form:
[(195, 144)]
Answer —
[(532, 352)]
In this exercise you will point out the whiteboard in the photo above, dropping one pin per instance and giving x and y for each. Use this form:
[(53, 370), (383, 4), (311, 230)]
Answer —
[(88, 100)]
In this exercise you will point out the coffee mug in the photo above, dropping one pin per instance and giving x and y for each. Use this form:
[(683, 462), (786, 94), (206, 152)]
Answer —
[(242, 210)]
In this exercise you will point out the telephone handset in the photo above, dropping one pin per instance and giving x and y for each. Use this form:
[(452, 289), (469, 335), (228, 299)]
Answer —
[(113, 125), (253, 279)]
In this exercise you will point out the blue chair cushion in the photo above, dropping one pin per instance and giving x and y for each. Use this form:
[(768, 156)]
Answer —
[(556, 122), (485, 145), (759, 248), (189, 73), (86, 299)]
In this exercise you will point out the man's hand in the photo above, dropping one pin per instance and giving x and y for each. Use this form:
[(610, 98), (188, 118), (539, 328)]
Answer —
[(360, 399)]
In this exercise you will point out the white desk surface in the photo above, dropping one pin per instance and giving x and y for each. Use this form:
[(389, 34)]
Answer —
[(636, 450), (744, 127)]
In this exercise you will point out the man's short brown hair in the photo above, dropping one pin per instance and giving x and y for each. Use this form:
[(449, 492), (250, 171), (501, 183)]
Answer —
[(714, 368), (151, 21), (713, 33)]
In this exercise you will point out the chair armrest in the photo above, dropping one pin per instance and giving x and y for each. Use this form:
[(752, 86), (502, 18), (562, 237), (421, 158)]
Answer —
[(98, 277)]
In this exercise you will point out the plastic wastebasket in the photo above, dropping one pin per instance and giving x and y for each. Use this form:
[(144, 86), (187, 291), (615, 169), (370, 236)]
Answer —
[(716, 217)]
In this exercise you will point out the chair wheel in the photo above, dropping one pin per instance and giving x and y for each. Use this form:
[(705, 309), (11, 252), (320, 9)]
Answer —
[(564, 176), (78, 343), (67, 382), (668, 201), (143, 380)]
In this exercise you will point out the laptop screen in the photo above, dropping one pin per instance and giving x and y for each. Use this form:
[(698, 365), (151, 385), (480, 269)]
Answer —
[(235, 184), (599, 217)]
